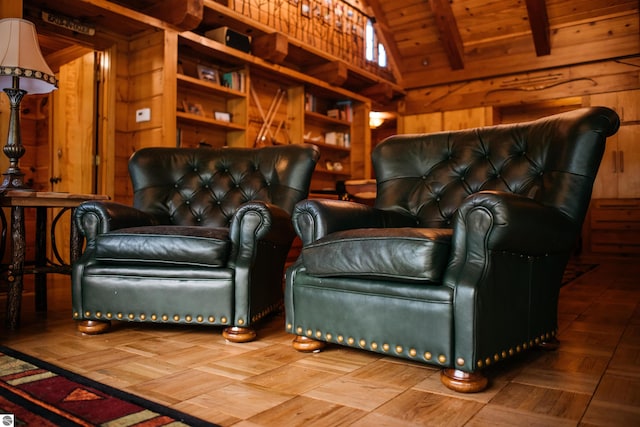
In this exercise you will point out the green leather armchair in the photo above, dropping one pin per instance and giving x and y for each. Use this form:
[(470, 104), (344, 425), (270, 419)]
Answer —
[(204, 243), (459, 262)]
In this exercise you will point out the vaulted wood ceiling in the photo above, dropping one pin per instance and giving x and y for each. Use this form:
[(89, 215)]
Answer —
[(441, 41)]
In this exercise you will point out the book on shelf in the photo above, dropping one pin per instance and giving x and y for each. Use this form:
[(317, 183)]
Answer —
[(234, 80), (310, 102), (345, 110), (340, 139)]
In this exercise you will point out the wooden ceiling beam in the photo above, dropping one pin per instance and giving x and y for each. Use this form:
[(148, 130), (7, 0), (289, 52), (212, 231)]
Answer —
[(334, 73), (539, 22), (449, 33), (272, 47), (381, 93), (185, 15)]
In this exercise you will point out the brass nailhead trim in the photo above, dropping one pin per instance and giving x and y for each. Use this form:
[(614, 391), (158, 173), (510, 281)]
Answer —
[(240, 322), (87, 313), (442, 358), (188, 318), (385, 347), (176, 317), (212, 319), (340, 338), (98, 314), (289, 326), (165, 317), (143, 316), (131, 316), (154, 317), (518, 349), (412, 352), (309, 332), (329, 337), (109, 315), (200, 319), (76, 314), (460, 361), (362, 343), (119, 315), (318, 334), (299, 330), (428, 355), (223, 319), (399, 349), (350, 340), (374, 345)]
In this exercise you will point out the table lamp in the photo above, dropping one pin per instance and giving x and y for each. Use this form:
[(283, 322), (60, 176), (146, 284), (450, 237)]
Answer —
[(22, 70)]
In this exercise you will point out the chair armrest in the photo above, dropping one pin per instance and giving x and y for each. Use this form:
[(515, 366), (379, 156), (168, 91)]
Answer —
[(503, 222), (254, 221), (97, 217), (316, 218), (492, 222)]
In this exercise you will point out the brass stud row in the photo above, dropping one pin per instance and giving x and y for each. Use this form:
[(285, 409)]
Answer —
[(270, 309), (154, 317), (513, 351), (362, 343)]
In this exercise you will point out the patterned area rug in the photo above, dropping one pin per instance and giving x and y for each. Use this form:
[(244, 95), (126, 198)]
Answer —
[(36, 393)]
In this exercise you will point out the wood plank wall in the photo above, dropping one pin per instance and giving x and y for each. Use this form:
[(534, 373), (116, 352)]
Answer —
[(141, 84)]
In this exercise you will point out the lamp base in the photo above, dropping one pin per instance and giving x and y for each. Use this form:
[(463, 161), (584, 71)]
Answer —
[(13, 177), (13, 181)]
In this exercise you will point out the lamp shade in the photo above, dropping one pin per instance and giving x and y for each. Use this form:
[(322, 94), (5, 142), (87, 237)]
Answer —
[(20, 56)]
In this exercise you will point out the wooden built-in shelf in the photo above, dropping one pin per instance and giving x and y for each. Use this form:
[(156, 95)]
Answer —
[(312, 116), (195, 119), (219, 90)]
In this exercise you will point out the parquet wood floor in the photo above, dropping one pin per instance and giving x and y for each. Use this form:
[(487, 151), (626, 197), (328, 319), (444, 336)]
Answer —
[(593, 379)]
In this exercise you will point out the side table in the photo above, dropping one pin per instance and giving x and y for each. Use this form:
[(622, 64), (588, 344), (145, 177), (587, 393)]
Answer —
[(18, 200)]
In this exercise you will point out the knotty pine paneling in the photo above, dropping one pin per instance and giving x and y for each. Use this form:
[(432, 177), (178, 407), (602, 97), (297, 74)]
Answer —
[(528, 87), (420, 123)]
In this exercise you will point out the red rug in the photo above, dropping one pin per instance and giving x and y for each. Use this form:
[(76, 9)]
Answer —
[(36, 393)]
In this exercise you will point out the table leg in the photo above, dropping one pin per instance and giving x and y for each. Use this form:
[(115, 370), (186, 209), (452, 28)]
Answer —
[(16, 269), (40, 280)]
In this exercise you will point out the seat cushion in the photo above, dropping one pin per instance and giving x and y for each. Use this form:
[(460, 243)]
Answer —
[(166, 245), (402, 254)]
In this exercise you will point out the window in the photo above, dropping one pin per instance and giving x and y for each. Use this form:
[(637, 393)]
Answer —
[(374, 51)]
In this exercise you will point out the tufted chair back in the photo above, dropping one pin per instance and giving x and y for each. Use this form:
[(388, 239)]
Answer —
[(428, 176), (204, 187)]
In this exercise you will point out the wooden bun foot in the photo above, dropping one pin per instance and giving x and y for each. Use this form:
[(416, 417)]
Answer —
[(238, 334), (463, 382), (93, 327), (307, 345), (550, 345)]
